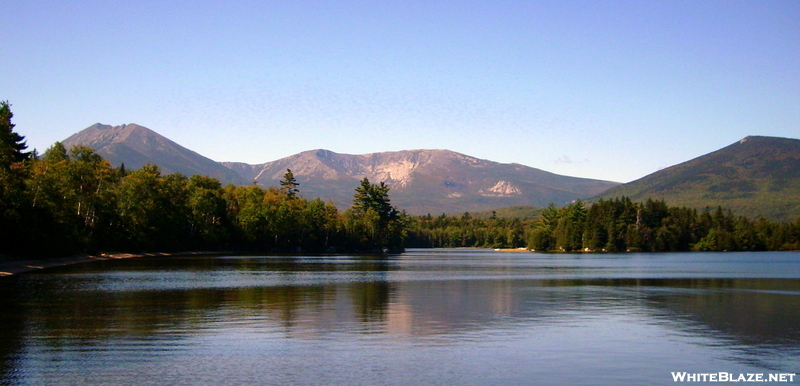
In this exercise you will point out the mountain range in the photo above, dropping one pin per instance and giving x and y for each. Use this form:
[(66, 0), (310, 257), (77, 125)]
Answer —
[(421, 181), (757, 176), (424, 181)]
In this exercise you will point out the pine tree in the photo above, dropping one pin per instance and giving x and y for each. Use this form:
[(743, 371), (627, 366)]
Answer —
[(12, 145), (373, 209), (289, 184), (14, 207)]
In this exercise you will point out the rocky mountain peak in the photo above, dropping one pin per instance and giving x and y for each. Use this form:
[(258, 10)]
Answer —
[(424, 180), (136, 145)]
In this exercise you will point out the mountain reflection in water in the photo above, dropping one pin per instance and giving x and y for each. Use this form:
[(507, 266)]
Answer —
[(490, 318)]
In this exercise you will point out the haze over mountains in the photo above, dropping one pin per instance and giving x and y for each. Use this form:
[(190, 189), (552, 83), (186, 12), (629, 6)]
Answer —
[(757, 176)]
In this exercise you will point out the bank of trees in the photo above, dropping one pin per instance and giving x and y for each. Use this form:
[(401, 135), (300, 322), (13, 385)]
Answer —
[(610, 226), (622, 225), (465, 231), (70, 201), (74, 201)]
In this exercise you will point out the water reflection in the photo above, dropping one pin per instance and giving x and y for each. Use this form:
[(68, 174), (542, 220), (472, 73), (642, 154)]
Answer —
[(511, 308), (11, 332)]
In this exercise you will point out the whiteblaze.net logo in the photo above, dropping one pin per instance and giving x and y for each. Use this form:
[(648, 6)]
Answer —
[(731, 377)]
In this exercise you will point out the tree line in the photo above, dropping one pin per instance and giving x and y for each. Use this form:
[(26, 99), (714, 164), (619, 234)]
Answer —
[(615, 225), (73, 201), (67, 202), (465, 231)]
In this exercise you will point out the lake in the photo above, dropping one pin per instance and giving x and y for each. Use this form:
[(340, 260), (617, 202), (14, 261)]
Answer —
[(424, 317)]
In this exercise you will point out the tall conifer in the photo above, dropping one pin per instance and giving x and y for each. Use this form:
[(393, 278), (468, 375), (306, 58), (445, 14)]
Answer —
[(12, 145)]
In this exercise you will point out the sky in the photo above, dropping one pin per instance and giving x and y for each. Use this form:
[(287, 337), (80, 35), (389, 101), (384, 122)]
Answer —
[(610, 90)]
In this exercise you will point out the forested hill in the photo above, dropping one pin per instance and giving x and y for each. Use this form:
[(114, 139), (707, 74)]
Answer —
[(757, 176)]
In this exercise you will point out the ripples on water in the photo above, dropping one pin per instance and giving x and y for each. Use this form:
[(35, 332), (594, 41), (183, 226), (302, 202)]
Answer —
[(470, 317)]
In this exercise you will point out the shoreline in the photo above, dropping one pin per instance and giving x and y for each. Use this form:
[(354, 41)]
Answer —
[(10, 267)]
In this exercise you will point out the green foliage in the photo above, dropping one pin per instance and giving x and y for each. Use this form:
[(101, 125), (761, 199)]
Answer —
[(15, 213), (569, 228), (74, 201), (153, 209), (12, 144), (373, 219), (610, 226), (465, 231), (208, 222), (756, 177), (376, 198), (520, 212), (289, 184)]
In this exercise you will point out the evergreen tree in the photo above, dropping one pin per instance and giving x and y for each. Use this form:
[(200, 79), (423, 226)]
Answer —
[(376, 197), (549, 217), (14, 206), (289, 184), (373, 215), (12, 145)]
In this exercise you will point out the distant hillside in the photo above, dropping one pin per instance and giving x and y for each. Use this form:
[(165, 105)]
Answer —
[(757, 176), (136, 145), (424, 181)]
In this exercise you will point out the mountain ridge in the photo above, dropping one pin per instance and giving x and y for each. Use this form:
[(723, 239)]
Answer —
[(424, 180), (136, 145), (755, 176)]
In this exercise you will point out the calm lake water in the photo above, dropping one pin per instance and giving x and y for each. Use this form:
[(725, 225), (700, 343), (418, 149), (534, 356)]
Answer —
[(425, 317)]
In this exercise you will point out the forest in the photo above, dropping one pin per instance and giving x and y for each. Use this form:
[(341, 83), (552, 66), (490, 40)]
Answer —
[(67, 202), (616, 225), (73, 201)]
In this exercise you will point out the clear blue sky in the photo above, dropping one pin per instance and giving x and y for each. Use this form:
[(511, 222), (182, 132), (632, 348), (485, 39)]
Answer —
[(611, 90)]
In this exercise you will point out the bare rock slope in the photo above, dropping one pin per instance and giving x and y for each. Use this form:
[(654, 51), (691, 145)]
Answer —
[(424, 181)]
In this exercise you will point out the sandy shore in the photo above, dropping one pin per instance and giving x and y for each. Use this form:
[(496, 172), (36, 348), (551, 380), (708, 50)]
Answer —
[(13, 266)]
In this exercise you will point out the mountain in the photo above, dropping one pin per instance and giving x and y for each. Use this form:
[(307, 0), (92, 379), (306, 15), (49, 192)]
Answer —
[(757, 176), (136, 145), (424, 181)]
